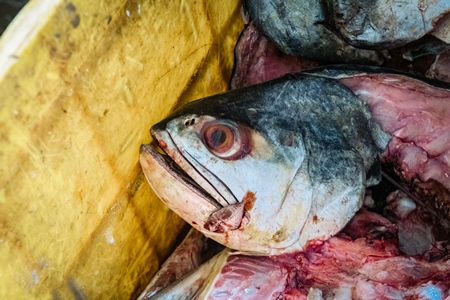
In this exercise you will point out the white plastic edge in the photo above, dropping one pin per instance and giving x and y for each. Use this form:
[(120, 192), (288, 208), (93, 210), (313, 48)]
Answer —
[(22, 30)]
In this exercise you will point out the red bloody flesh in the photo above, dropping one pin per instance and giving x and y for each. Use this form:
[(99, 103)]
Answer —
[(370, 264), (417, 115), (259, 60)]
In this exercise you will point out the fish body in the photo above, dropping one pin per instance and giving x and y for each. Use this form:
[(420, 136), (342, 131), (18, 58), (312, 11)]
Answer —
[(276, 168), (299, 28), (347, 31), (382, 23), (275, 165)]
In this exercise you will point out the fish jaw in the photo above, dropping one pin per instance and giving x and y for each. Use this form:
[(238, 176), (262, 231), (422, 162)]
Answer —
[(188, 202), (254, 235)]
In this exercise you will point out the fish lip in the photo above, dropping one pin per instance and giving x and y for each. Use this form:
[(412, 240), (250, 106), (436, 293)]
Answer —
[(176, 171)]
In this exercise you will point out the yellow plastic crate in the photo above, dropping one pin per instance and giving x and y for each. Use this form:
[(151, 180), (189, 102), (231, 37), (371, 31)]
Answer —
[(81, 83)]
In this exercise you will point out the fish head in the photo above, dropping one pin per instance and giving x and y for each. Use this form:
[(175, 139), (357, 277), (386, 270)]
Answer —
[(243, 177), (238, 170)]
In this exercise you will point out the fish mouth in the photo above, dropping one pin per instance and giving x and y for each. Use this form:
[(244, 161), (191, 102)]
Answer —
[(156, 150)]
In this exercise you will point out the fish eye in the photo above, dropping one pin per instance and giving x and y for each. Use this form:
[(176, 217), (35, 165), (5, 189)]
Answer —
[(219, 137), (227, 141)]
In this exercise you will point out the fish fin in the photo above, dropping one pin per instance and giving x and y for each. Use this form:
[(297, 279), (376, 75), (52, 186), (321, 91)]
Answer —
[(196, 282), (185, 258)]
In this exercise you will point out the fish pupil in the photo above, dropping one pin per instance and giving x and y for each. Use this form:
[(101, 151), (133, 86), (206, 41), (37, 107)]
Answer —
[(218, 137)]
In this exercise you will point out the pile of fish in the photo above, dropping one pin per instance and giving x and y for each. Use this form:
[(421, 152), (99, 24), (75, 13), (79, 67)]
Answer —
[(322, 181)]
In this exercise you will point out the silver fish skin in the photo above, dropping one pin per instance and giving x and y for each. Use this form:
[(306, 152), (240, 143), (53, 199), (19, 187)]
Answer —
[(269, 167)]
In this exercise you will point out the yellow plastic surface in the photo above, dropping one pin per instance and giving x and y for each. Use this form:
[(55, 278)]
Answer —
[(81, 83)]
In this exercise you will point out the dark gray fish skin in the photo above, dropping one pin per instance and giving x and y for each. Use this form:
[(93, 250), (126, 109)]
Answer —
[(344, 31), (375, 24), (298, 28), (428, 45), (320, 114), (340, 71)]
